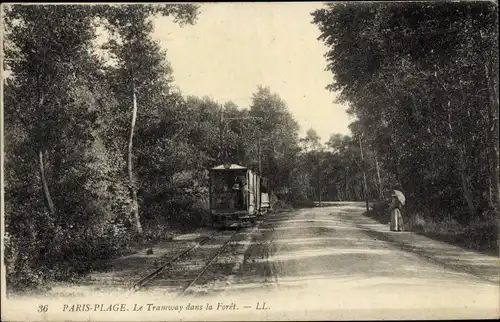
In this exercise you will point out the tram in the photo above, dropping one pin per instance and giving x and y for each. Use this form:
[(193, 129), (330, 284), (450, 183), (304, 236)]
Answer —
[(238, 196)]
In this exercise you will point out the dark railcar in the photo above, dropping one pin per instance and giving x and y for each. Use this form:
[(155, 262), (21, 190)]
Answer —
[(235, 196)]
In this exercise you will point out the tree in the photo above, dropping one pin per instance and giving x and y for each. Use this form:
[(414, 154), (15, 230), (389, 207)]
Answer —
[(67, 130), (312, 148), (422, 95), (55, 104), (279, 136), (41, 68), (142, 67)]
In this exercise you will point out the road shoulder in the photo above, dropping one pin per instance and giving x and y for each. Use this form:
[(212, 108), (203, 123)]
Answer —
[(482, 266)]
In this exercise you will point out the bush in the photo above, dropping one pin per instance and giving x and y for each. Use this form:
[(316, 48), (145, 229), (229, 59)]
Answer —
[(32, 261)]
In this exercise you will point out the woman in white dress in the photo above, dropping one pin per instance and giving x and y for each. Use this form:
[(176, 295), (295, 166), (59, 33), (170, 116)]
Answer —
[(396, 217)]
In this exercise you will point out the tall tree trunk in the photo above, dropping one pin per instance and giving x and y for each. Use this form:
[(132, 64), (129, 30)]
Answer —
[(45, 186), (465, 182), (395, 164), (259, 152), (365, 189), (380, 187), (490, 192), (346, 194), (494, 137), (319, 180), (41, 164), (133, 187), (489, 170), (462, 167)]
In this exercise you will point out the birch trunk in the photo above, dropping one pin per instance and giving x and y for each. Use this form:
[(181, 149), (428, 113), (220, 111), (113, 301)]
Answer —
[(365, 188), (380, 192), (45, 186), (133, 187)]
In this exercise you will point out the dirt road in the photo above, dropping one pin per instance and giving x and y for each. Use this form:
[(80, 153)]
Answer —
[(329, 263)]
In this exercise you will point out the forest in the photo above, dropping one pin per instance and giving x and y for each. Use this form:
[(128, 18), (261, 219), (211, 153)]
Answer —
[(101, 151), (422, 80)]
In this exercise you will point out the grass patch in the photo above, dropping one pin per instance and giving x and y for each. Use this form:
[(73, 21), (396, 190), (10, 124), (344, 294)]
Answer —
[(481, 233)]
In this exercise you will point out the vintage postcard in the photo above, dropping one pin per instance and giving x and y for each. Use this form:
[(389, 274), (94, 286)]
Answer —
[(250, 161)]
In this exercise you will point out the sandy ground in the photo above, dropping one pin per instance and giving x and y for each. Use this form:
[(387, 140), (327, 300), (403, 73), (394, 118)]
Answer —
[(329, 263)]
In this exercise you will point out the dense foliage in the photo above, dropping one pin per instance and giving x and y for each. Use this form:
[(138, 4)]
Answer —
[(101, 151), (422, 79), (67, 116)]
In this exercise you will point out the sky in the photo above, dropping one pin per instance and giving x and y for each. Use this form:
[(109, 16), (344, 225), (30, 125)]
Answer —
[(234, 47)]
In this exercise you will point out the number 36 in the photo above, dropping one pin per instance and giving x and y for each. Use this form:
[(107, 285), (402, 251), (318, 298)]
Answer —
[(43, 308)]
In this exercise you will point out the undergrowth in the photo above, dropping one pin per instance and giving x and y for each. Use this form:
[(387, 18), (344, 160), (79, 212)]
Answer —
[(480, 233)]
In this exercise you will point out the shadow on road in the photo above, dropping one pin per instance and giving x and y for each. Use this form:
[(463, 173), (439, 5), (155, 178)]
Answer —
[(331, 248), (447, 255), (465, 240)]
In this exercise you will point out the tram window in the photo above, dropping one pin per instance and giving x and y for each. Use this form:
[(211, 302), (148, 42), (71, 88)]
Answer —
[(220, 184), (224, 182)]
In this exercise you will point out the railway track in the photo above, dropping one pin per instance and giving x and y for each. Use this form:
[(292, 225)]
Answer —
[(182, 272), (141, 283), (207, 265), (202, 272)]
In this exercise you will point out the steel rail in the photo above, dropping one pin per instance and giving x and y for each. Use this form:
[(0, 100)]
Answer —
[(152, 275), (204, 269)]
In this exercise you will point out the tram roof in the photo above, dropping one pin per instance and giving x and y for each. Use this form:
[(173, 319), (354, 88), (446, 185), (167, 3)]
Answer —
[(232, 167)]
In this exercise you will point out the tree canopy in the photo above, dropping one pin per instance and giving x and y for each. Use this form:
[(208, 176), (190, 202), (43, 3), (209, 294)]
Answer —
[(422, 78)]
